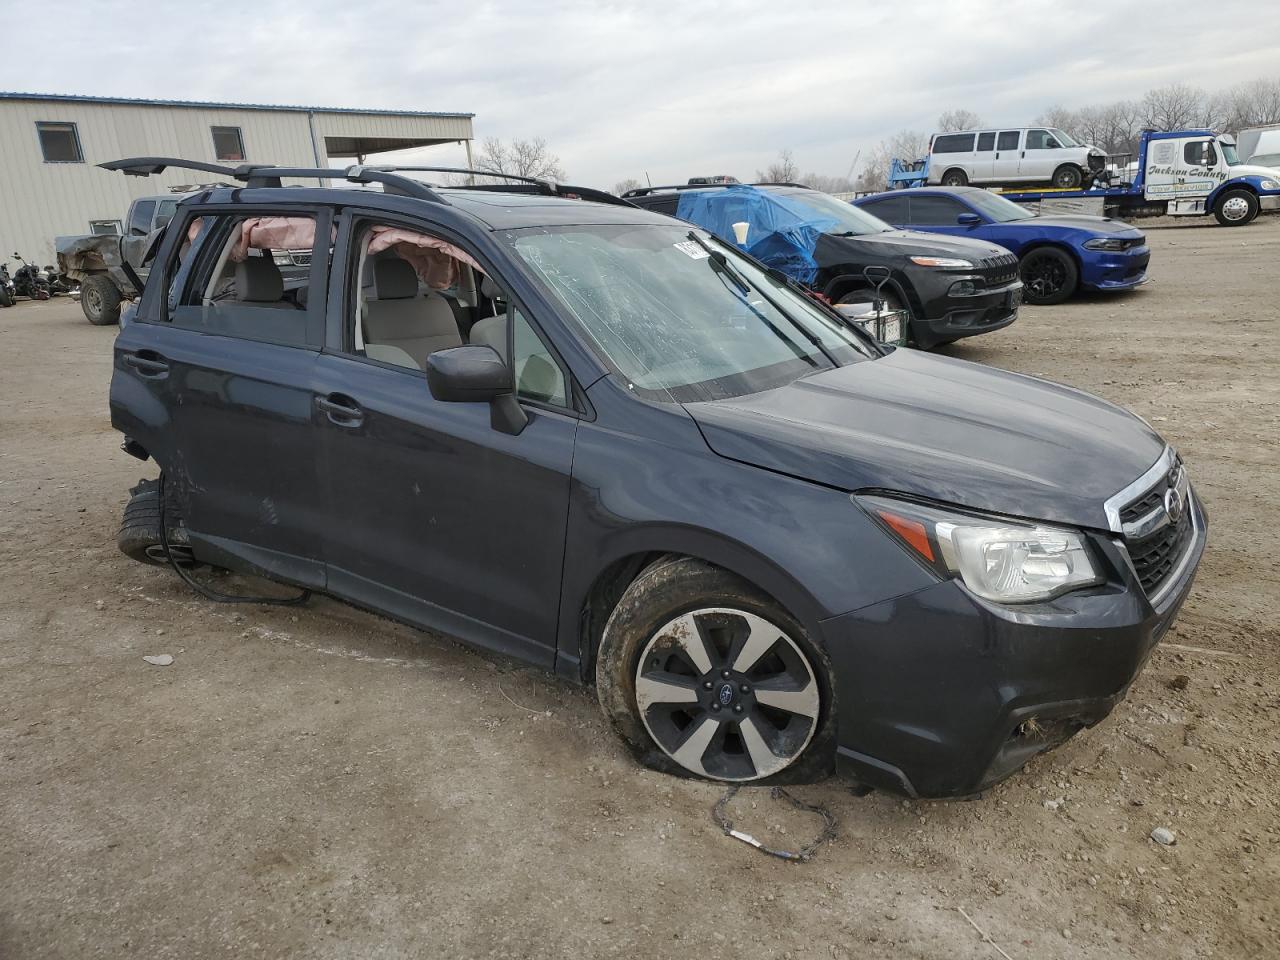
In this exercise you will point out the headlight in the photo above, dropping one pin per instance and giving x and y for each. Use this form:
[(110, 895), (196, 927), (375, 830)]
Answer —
[(1105, 243), (282, 258), (945, 262), (1005, 560), (1270, 185)]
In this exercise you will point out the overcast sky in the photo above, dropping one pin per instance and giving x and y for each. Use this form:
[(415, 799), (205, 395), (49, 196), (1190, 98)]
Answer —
[(668, 89)]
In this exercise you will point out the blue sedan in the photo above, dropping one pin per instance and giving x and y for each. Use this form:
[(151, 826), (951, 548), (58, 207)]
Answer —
[(1058, 254)]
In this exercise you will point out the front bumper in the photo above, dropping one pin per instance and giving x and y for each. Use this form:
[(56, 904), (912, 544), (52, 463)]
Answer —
[(1269, 202), (946, 317), (1114, 271), (937, 690)]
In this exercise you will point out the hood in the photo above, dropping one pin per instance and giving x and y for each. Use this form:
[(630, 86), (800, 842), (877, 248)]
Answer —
[(909, 243), (944, 429), (1253, 170), (1100, 225)]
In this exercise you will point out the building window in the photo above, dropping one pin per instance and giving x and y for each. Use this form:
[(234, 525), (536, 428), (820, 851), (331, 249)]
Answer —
[(227, 143), (60, 142)]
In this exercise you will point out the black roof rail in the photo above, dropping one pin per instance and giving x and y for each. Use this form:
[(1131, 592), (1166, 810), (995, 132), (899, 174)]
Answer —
[(545, 186), (267, 175), (645, 191)]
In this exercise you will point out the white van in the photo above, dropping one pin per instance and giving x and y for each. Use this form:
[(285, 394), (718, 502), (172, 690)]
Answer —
[(1026, 155)]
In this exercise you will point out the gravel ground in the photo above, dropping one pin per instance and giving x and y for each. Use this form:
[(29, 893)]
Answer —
[(323, 783)]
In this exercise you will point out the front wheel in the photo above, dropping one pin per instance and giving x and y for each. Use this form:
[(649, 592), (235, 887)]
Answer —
[(702, 675), (1235, 208), (6, 298), (1049, 276), (1068, 177)]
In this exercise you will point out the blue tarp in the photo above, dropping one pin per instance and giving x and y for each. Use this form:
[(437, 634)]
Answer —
[(783, 232)]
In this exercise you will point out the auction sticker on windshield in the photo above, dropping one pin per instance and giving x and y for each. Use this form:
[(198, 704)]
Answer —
[(691, 249)]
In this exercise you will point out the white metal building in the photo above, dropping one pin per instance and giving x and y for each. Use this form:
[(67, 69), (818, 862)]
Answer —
[(49, 146)]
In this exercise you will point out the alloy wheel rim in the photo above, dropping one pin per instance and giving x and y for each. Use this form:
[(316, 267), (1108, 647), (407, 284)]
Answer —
[(726, 694), (1235, 208), (95, 300), (1044, 276)]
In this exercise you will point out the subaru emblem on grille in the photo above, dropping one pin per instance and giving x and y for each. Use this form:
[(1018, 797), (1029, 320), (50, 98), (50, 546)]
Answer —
[(1173, 504)]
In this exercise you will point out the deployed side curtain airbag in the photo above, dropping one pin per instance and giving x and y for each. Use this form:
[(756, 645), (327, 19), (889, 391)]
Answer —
[(434, 260)]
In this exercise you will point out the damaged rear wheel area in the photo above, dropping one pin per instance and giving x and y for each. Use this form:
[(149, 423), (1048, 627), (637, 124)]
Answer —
[(705, 676), (139, 536)]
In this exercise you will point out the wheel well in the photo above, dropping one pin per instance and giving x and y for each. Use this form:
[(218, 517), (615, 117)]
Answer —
[(607, 589), (960, 170), (1223, 191), (1043, 244), (848, 282)]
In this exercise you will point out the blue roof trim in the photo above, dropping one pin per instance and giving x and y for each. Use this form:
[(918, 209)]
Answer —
[(201, 104), (1177, 134)]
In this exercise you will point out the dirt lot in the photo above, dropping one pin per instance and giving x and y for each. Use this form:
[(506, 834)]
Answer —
[(322, 783)]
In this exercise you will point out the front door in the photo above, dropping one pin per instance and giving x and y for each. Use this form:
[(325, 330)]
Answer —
[(1041, 155), (439, 517)]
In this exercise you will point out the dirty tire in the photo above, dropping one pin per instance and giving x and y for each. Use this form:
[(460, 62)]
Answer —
[(955, 178), (6, 298), (100, 300), (1049, 276), (1235, 208), (1068, 177), (672, 588), (139, 536)]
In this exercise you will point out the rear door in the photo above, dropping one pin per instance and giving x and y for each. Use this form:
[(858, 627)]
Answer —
[(984, 157), (951, 151), (1004, 166), (439, 517), (227, 359)]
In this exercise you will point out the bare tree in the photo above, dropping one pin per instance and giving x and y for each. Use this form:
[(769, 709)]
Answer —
[(903, 145), (782, 170), (622, 186), (1173, 107), (953, 120), (1252, 104), (523, 158)]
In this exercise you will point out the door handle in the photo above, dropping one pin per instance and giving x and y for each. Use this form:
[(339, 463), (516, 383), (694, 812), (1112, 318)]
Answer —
[(147, 366), (341, 411)]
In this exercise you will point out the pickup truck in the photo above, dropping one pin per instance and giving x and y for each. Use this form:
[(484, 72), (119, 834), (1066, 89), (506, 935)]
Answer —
[(110, 267)]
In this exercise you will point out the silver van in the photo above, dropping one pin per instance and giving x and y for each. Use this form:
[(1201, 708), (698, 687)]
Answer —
[(1026, 155)]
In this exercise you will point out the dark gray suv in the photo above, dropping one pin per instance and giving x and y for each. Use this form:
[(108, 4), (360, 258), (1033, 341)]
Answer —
[(605, 442)]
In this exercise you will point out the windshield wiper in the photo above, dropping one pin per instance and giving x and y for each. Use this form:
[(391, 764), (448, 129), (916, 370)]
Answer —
[(721, 263)]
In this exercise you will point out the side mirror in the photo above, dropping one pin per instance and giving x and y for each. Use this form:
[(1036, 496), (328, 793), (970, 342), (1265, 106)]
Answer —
[(968, 219), (476, 374)]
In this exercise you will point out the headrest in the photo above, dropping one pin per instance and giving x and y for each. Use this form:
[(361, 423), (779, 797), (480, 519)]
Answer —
[(394, 279), (258, 280), (491, 289)]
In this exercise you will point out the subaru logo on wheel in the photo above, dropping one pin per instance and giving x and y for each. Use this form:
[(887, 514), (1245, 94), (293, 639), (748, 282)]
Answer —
[(726, 694), (1173, 504)]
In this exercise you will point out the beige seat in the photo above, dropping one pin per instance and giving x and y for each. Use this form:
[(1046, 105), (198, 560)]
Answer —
[(399, 318), (258, 281)]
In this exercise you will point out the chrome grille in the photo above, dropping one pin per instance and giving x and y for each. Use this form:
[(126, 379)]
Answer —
[(1158, 528)]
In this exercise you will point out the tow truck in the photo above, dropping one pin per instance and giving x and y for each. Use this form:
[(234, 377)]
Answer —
[(1178, 173)]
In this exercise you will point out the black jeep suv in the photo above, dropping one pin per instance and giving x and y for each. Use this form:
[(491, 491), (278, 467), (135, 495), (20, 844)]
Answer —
[(950, 287), (599, 440)]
